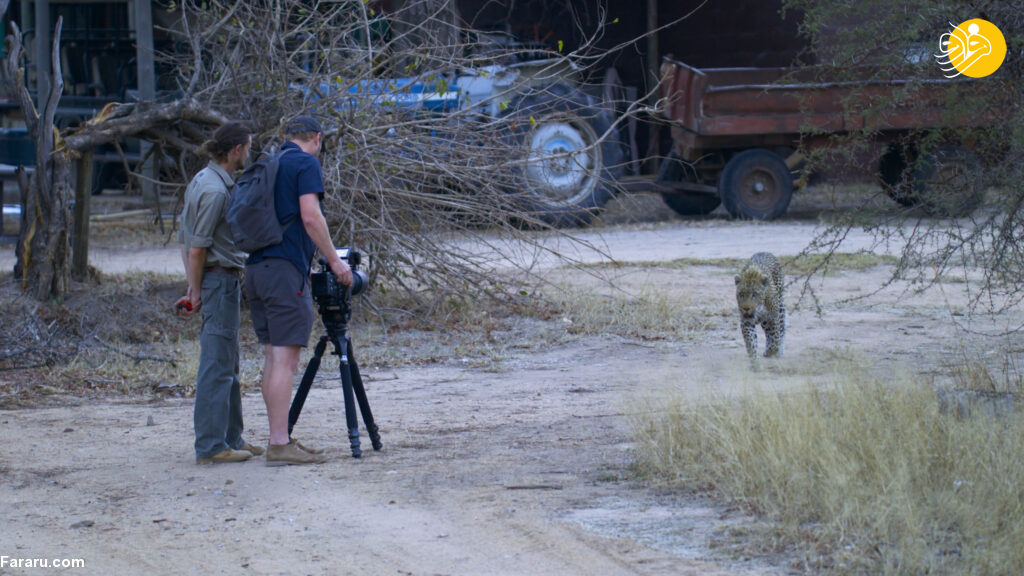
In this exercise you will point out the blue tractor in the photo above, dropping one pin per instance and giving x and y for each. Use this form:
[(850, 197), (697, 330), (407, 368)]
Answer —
[(563, 143)]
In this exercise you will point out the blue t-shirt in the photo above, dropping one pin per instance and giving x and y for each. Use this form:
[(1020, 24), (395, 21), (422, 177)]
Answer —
[(298, 174)]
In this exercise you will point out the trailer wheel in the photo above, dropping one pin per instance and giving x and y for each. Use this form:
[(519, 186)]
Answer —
[(892, 169), (684, 203), (570, 155), (945, 182), (756, 184)]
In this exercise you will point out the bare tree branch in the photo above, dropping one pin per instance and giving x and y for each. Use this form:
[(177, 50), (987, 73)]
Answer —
[(137, 118), (959, 199), (442, 148)]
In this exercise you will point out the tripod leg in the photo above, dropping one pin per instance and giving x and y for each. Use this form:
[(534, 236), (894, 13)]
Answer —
[(364, 402), (307, 381), (350, 404)]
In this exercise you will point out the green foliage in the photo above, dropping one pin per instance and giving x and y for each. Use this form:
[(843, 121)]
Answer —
[(965, 161)]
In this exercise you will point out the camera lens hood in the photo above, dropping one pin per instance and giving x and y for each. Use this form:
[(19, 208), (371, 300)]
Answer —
[(359, 282)]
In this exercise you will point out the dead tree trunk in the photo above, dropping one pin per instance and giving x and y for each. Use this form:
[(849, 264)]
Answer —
[(44, 251)]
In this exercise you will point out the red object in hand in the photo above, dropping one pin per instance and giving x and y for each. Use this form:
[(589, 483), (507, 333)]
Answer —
[(185, 306)]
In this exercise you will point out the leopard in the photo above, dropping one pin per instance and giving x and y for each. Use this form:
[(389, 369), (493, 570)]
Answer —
[(761, 298)]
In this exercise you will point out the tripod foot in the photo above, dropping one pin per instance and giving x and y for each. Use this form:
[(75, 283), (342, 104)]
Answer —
[(353, 440), (374, 437)]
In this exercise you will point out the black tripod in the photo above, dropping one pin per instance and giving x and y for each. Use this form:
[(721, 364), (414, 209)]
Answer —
[(351, 382)]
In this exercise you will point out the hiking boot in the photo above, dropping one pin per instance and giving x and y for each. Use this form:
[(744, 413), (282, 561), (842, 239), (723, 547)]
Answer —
[(254, 450), (304, 448), (286, 454), (224, 456)]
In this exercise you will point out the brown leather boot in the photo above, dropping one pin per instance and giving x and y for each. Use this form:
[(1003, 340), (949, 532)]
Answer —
[(225, 456), (305, 448), (254, 450), (288, 454)]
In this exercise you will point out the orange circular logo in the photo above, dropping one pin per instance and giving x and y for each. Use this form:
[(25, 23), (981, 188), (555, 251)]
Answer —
[(975, 48)]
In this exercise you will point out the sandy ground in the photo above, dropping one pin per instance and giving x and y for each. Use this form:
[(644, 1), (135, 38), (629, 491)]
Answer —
[(520, 467)]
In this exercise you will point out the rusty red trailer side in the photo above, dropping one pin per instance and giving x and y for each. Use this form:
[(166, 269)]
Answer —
[(754, 106), (735, 128)]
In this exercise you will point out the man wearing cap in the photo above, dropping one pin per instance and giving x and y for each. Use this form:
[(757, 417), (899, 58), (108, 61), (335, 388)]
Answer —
[(277, 282)]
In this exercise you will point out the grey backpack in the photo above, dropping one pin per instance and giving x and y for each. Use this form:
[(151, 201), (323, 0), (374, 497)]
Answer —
[(251, 215)]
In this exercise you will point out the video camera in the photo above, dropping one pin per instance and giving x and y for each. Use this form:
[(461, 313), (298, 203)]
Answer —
[(334, 299), (335, 304)]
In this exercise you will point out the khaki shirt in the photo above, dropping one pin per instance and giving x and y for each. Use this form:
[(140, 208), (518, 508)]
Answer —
[(203, 223)]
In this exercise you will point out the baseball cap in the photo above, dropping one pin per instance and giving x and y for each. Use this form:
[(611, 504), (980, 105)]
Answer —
[(302, 124)]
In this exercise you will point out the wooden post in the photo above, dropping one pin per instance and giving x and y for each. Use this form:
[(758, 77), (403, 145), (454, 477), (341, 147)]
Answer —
[(80, 218), (147, 88), (653, 74), (42, 51), (21, 176)]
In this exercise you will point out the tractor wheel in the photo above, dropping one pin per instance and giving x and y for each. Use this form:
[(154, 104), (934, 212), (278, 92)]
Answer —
[(568, 155)]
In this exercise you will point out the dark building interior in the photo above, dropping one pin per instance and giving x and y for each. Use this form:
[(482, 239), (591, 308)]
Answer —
[(716, 33), (704, 34), (99, 41)]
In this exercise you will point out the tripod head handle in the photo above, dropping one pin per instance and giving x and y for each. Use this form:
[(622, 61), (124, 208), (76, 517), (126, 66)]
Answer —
[(351, 256)]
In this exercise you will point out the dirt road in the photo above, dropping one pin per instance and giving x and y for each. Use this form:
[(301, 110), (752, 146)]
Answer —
[(521, 466)]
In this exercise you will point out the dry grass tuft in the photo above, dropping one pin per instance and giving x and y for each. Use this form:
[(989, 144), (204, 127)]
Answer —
[(792, 265), (971, 370), (647, 315), (120, 336), (859, 474)]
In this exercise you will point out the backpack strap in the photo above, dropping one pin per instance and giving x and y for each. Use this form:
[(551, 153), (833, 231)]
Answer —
[(290, 221)]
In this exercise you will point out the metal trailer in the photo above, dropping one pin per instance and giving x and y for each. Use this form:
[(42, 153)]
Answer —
[(736, 132)]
